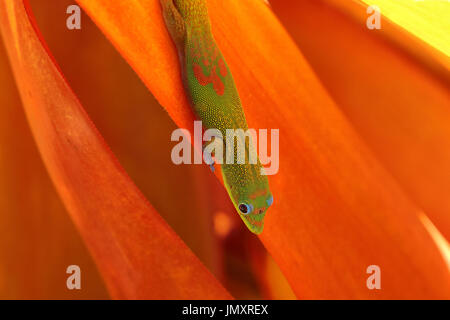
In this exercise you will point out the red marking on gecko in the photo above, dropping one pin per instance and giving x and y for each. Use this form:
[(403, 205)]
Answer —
[(218, 85), (223, 68), (257, 194), (255, 223), (213, 78), (201, 77)]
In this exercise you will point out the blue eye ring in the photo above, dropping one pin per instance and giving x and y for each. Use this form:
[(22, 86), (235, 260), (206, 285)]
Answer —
[(245, 208), (269, 201)]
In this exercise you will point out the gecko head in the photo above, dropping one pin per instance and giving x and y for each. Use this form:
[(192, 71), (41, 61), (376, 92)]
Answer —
[(251, 196), (252, 209)]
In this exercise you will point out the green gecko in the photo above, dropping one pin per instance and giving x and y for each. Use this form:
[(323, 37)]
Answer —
[(213, 96)]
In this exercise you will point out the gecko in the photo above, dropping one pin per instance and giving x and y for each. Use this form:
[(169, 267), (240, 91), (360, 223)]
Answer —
[(212, 93)]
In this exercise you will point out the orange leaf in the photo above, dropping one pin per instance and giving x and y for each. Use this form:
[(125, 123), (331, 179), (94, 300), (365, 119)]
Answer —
[(134, 126), (393, 87), (336, 211), (137, 253), (38, 241)]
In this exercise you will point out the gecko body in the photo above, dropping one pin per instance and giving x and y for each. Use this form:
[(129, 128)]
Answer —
[(215, 100)]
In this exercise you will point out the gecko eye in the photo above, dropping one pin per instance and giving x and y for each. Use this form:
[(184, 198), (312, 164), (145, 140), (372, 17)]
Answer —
[(245, 208), (269, 201)]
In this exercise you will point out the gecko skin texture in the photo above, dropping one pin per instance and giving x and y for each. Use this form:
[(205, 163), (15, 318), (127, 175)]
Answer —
[(214, 98)]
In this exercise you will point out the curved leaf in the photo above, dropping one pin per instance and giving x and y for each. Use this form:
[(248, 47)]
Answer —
[(137, 253), (336, 210), (38, 241), (391, 86), (427, 20), (135, 127)]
